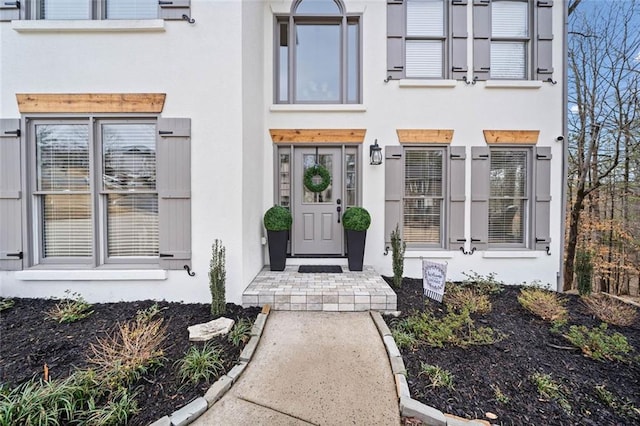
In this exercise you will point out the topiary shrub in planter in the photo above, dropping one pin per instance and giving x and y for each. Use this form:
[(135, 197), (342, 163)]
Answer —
[(277, 220), (356, 221)]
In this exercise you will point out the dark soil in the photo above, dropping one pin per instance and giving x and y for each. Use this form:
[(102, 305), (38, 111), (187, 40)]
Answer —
[(29, 340), (509, 363)]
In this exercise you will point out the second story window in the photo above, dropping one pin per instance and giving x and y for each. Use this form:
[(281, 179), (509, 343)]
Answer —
[(318, 54), (509, 39), (102, 9), (425, 42)]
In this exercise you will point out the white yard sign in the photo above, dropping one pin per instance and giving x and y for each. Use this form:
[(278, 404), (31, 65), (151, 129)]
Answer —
[(434, 276)]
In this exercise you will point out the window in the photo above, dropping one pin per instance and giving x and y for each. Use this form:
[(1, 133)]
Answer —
[(510, 197), (96, 199), (512, 39), (323, 64), (424, 193), (427, 39)]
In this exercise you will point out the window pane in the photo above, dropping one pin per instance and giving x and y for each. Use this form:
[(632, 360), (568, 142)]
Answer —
[(422, 220), (424, 58), (508, 196), (132, 225), (508, 60), (423, 196), (66, 224), (351, 179), (129, 156), (425, 18), (65, 9), (285, 180), (62, 153), (132, 9), (423, 173), (508, 174), (318, 7), (283, 62), (318, 63), (509, 19), (325, 196), (353, 59)]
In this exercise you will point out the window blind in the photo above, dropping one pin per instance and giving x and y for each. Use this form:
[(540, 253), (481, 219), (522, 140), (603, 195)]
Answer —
[(425, 18), (508, 60), (132, 225), (132, 9), (509, 19), (65, 9), (507, 196), (66, 223), (62, 153), (423, 201), (424, 58)]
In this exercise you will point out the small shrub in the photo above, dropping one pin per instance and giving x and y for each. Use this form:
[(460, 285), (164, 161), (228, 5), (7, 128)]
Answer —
[(460, 298), (484, 284), (499, 395), (217, 279), (148, 314), (404, 339), (543, 303), (598, 344), (117, 411), (437, 377), (201, 364), (584, 271), (6, 304), (70, 309), (397, 254), (550, 390), (240, 333), (356, 219), (610, 310), (277, 218), (623, 406)]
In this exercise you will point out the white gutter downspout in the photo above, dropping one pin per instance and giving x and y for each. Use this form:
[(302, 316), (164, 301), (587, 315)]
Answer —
[(565, 132)]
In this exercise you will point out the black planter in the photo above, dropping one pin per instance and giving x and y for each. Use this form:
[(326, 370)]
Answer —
[(355, 249), (277, 249)]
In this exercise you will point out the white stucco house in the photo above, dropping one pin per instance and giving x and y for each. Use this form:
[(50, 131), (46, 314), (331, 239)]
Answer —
[(133, 133)]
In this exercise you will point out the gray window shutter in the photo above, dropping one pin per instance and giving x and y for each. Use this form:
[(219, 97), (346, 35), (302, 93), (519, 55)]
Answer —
[(174, 191), (458, 39), (543, 198), (544, 40), (480, 168), (10, 10), (395, 38), (457, 199), (481, 39), (393, 190), (174, 9), (10, 196)]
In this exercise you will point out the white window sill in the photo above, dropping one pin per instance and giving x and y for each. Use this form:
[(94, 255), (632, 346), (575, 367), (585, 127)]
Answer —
[(318, 108), (115, 25), (513, 84), (528, 254), (407, 82), (91, 275), (428, 254)]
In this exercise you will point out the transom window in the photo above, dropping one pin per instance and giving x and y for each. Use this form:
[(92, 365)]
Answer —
[(509, 39), (508, 196), (95, 197), (318, 54), (424, 196)]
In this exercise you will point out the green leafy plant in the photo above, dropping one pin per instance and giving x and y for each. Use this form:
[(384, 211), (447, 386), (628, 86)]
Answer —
[(356, 219), (240, 333), (437, 377), (499, 395), (623, 406), (198, 364), (117, 410), (148, 314), (543, 303), (610, 310), (551, 390), (6, 304), (277, 218), (584, 271), (398, 248), (70, 309), (598, 344), (404, 339), (459, 298), (217, 279), (484, 284)]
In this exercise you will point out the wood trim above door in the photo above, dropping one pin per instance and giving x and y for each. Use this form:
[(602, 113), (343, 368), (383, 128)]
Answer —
[(317, 136), (90, 102), (407, 136)]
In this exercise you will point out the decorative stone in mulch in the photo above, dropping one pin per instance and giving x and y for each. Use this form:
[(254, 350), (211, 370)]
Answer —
[(208, 330)]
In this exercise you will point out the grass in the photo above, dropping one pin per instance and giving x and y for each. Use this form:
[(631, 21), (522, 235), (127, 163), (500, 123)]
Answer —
[(610, 310), (499, 395), (199, 364), (240, 333), (404, 339), (551, 390), (70, 309), (544, 304), (597, 343), (6, 304), (437, 377)]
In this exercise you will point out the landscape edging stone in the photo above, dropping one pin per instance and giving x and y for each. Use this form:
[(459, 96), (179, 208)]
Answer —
[(221, 386)]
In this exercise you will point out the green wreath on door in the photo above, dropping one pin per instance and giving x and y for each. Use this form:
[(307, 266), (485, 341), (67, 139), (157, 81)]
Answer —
[(312, 172)]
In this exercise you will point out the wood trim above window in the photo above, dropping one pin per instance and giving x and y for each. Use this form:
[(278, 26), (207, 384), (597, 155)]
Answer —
[(91, 102), (525, 137), (409, 136), (287, 136)]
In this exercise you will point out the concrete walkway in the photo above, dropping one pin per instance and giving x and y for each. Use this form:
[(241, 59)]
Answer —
[(319, 368)]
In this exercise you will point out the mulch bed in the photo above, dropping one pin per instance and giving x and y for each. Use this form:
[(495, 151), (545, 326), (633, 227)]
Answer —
[(509, 363), (29, 340)]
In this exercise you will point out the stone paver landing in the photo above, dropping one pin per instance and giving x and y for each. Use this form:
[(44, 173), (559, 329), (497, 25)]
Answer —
[(349, 291)]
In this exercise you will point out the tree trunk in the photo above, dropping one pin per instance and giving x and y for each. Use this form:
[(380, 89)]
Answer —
[(572, 240)]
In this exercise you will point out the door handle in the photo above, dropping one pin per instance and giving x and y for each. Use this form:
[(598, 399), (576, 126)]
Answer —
[(338, 209)]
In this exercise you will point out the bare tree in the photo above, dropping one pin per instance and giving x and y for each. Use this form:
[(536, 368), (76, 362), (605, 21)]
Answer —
[(604, 74)]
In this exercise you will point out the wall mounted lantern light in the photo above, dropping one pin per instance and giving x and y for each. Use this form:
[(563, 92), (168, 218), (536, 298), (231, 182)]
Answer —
[(375, 154)]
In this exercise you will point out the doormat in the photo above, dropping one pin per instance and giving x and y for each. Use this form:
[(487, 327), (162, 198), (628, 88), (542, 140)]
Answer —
[(320, 269)]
